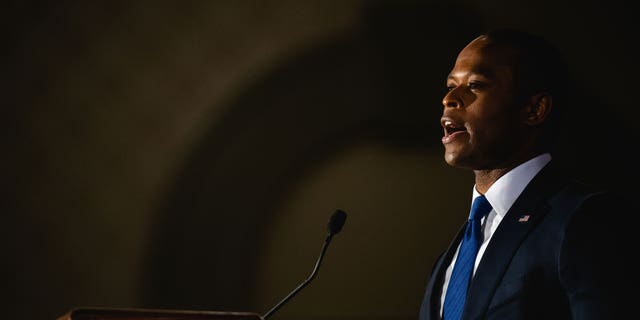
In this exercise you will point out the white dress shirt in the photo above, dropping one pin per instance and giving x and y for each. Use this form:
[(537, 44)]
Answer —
[(501, 195)]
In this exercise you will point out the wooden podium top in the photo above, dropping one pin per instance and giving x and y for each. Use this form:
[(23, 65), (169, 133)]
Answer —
[(154, 314)]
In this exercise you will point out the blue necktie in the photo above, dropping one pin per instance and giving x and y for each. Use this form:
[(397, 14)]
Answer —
[(463, 269)]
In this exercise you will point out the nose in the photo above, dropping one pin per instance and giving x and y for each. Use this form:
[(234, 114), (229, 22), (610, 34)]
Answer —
[(452, 99)]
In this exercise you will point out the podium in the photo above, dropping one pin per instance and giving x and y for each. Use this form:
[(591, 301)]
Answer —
[(154, 314), (334, 226)]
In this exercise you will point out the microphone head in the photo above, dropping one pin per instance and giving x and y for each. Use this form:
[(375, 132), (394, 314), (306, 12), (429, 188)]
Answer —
[(336, 222)]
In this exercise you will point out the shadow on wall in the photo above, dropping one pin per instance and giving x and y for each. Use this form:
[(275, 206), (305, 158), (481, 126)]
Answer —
[(383, 84), (351, 123)]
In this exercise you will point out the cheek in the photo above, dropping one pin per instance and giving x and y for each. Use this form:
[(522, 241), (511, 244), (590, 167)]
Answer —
[(493, 128), (493, 115)]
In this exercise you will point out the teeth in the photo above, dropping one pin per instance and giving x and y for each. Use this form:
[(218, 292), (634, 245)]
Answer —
[(448, 123)]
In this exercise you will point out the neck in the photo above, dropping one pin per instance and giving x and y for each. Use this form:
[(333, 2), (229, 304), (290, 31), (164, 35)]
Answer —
[(485, 178)]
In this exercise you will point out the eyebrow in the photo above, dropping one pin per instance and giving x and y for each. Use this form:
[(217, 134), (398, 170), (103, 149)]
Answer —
[(488, 73)]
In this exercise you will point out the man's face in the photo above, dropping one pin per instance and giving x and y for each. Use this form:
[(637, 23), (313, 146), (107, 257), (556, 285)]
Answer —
[(482, 119)]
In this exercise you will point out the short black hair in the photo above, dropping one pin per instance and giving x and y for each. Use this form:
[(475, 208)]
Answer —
[(542, 67)]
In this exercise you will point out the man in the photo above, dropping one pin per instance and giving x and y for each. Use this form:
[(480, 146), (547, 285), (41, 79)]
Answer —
[(547, 246)]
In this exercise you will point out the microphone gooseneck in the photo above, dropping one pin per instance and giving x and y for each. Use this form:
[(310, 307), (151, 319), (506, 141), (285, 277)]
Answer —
[(334, 227)]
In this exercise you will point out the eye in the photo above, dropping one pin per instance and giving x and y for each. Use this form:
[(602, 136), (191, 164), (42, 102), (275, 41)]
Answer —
[(450, 86), (475, 85)]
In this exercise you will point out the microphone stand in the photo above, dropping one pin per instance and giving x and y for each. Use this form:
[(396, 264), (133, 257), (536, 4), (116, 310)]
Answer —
[(334, 226)]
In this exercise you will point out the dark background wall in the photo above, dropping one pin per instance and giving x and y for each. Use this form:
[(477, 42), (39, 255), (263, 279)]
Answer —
[(187, 154)]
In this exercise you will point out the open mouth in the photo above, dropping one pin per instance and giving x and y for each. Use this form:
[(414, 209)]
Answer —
[(451, 128)]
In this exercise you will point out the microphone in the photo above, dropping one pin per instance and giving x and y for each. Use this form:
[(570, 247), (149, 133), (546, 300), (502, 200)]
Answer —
[(333, 227)]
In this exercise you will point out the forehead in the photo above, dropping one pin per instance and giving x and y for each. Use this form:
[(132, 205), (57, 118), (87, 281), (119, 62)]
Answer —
[(481, 56)]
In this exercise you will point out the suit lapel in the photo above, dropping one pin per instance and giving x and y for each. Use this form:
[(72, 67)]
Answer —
[(521, 218), (431, 303)]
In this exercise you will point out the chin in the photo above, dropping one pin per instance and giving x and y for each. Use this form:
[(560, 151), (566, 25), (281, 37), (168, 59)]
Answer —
[(451, 159), (457, 160)]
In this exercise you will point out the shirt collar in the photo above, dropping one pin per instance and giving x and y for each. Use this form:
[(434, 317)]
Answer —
[(504, 192)]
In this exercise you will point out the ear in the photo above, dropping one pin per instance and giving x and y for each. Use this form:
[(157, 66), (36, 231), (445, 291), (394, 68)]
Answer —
[(538, 108)]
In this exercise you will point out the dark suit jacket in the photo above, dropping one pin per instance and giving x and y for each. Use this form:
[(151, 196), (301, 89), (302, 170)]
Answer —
[(568, 260)]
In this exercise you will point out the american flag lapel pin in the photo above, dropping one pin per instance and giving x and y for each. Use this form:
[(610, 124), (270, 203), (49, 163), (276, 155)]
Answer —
[(524, 218)]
